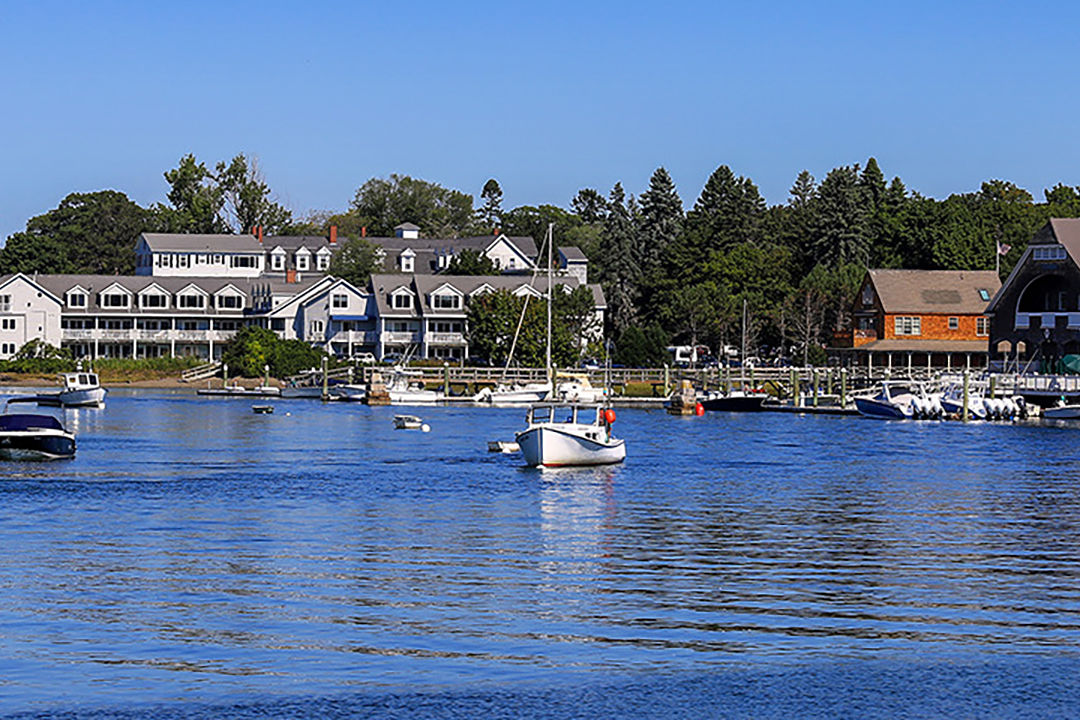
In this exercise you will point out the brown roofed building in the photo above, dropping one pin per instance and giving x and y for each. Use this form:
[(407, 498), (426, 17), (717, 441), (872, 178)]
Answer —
[(924, 317)]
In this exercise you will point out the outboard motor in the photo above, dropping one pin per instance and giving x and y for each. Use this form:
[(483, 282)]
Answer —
[(918, 407), (936, 411), (993, 408)]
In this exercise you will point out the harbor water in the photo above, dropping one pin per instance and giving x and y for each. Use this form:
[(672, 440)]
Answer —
[(199, 560)]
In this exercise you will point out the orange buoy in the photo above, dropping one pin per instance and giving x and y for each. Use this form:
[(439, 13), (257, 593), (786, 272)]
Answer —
[(699, 409), (609, 416)]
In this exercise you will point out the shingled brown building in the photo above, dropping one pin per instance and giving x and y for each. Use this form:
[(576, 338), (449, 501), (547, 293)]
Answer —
[(922, 317)]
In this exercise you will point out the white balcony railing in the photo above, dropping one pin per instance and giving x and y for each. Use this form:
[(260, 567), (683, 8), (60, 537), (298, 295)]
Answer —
[(445, 338), (400, 337), (360, 337)]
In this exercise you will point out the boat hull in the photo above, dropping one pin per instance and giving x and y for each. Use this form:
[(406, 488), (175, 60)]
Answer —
[(871, 407), (553, 447), (1066, 412), (734, 403), (36, 446), (89, 397)]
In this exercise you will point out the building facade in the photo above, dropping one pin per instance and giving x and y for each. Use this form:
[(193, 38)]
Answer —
[(1035, 316), (933, 318)]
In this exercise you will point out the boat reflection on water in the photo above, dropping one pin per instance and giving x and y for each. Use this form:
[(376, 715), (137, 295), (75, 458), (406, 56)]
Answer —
[(577, 512)]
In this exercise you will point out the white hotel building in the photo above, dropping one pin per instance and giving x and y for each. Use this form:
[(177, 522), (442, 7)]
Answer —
[(192, 293)]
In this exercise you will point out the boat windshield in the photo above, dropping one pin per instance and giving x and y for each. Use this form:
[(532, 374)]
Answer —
[(27, 421)]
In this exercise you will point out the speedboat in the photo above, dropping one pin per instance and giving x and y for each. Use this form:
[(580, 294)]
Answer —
[(406, 387), (952, 401), (574, 434), (77, 389), (350, 391), (514, 394), (27, 436), (1062, 411), (576, 388), (900, 400), (733, 401)]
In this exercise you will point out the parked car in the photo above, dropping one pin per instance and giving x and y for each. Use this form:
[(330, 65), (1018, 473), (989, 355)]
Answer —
[(391, 358), (365, 358)]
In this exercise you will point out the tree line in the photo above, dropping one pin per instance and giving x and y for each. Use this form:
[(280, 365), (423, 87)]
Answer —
[(669, 274)]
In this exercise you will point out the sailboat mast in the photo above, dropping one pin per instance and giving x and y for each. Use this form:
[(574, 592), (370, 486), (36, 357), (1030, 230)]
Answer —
[(549, 244)]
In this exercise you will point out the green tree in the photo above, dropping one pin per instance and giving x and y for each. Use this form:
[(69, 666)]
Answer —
[(289, 357), (382, 204), (471, 262), (246, 197), (490, 213), (355, 261), (661, 220), (840, 228), (196, 199), (250, 351), (589, 205), (620, 271), (639, 347), (729, 211), (91, 233)]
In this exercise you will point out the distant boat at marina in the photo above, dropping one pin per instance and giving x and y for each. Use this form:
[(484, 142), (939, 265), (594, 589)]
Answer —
[(406, 387), (408, 422), (899, 400), (733, 401), (77, 389), (1062, 411), (513, 394)]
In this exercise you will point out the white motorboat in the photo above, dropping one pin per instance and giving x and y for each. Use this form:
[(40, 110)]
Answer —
[(576, 388), (408, 422), (27, 436), (561, 435), (406, 387), (513, 394), (77, 389), (1062, 411), (351, 392), (900, 400)]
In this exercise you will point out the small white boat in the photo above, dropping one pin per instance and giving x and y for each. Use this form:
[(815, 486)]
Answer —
[(513, 394), (77, 389), (1062, 411), (406, 387), (350, 392), (26, 436), (576, 388), (503, 446), (262, 409), (561, 435), (407, 422)]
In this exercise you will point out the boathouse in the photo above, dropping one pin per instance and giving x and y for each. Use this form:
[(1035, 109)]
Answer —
[(1035, 316), (928, 318)]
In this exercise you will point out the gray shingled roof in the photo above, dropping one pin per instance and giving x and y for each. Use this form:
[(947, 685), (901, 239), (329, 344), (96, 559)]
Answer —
[(191, 242), (934, 291), (573, 254), (383, 284)]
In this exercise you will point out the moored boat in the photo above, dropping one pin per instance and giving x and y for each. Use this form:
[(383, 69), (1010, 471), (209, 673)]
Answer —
[(733, 401), (27, 436), (897, 400), (563, 435), (77, 389)]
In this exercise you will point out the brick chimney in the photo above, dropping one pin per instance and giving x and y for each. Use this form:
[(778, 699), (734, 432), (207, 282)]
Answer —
[(333, 234), (260, 234), (363, 231), (290, 276)]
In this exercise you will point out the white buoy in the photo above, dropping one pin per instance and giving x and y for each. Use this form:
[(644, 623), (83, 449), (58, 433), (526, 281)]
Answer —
[(425, 428)]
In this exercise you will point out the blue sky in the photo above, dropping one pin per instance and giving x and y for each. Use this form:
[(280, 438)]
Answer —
[(546, 97)]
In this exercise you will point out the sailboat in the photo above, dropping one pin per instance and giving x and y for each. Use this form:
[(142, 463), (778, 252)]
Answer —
[(559, 435)]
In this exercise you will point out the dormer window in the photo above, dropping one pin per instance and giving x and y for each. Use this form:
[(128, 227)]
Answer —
[(407, 260), (230, 302), (302, 260), (322, 260), (277, 261), (154, 300), (446, 302), (76, 300), (191, 301), (114, 300), (402, 301)]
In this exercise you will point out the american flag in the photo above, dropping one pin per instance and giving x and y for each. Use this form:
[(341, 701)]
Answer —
[(1002, 248)]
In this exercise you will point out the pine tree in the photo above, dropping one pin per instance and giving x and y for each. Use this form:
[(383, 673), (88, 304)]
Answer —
[(803, 191), (490, 213), (838, 236), (620, 272), (728, 212), (661, 219)]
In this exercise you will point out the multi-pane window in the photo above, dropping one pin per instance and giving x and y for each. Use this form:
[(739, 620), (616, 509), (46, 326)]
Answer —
[(7, 324), (908, 325), (322, 261), (954, 323), (191, 301), (114, 300), (402, 302), (8, 348), (277, 261), (340, 301), (316, 327), (77, 300), (446, 302), (155, 301), (982, 326), (242, 261), (231, 302), (1048, 252), (301, 260)]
